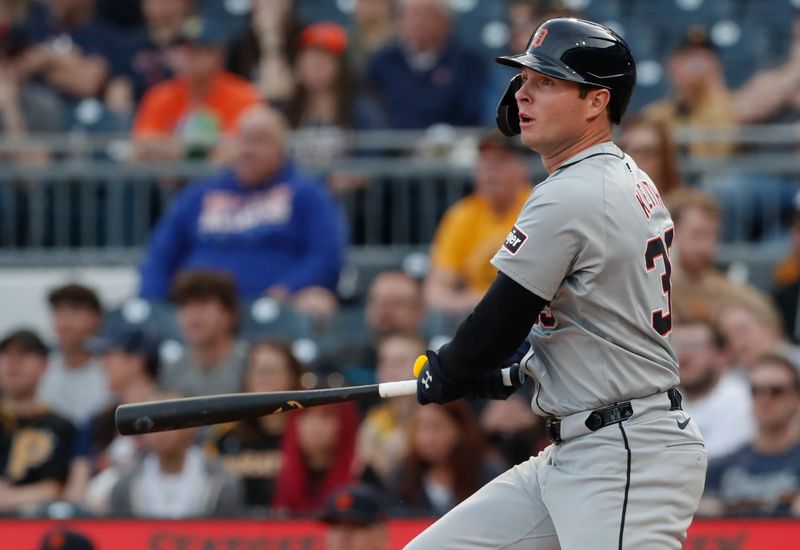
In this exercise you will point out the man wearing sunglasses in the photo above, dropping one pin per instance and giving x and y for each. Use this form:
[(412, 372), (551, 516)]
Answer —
[(763, 477)]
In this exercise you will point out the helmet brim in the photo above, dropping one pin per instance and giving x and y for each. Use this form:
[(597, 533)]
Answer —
[(541, 65)]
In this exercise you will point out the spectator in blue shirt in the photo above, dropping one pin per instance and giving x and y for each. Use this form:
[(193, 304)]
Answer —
[(763, 477), (426, 77), (275, 229)]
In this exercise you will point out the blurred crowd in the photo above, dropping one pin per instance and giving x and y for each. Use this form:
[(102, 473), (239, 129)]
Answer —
[(240, 279)]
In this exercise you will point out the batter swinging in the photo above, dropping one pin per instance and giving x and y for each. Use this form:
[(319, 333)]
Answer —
[(587, 267)]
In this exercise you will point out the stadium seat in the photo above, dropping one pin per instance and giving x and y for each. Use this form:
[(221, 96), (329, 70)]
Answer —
[(266, 318), (157, 318)]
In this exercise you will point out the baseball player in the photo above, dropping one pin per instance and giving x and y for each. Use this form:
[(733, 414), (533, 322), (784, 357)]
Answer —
[(584, 274)]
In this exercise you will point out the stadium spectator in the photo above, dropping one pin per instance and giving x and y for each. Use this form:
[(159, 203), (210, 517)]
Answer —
[(700, 98), (714, 396), (786, 278), (274, 228), (383, 436), (131, 360), (473, 229), (148, 55), (373, 26), (26, 107), (512, 429), (426, 77), (190, 113), (447, 461), (265, 52), (326, 100), (698, 288), (394, 305), (75, 54), (75, 385), (650, 144), (751, 327), (35, 444), (214, 359), (763, 477), (773, 94), (175, 480), (65, 539), (250, 450), (356, 518), (318, 450)]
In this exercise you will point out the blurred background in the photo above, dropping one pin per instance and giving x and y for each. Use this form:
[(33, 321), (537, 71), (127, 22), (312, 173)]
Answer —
[(211, 196)]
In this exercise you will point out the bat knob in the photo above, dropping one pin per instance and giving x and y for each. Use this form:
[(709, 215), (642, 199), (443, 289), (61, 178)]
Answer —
[(419, 364)]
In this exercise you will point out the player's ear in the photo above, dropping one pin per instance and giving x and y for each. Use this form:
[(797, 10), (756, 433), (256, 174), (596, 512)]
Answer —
[(598, 100)]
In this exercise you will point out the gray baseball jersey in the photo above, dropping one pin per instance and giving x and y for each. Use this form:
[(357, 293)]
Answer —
[(594, 239)]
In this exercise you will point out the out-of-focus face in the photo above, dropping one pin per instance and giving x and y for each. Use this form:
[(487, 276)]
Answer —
[(268, 371), (775, 398), (372, 11), (552, 113), (170, 443), (197, 64), (204, 321), (436, 435), (317, 69), (498, 174), (20, 372), (394, 305), (318, 431), (643, 143), (521, 16), (258, 147), (746, 337), (63, 9), (164, 13), (690, 72), (697, 356), (121, 368), (423, 25), (73, 325), (696, 238), (396, 357), (349, 536)]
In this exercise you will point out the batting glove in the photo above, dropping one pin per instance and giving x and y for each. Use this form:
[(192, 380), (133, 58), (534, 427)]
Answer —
[(432, 387)]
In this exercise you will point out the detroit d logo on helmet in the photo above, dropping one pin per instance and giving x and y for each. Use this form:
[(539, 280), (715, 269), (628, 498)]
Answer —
[(539, 37)]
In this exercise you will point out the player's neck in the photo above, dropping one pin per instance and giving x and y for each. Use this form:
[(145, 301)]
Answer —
[(593, 135)]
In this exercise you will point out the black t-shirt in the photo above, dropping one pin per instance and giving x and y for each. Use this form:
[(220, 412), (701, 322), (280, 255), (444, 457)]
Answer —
[(35, 448), (254, 456)]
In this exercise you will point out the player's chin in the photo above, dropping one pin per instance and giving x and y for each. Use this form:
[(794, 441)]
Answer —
[(528, 138)]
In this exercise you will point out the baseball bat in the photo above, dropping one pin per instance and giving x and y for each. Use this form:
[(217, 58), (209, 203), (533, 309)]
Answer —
[(188, 412)]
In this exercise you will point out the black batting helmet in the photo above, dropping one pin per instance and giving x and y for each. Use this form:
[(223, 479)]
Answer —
[(576, 50)]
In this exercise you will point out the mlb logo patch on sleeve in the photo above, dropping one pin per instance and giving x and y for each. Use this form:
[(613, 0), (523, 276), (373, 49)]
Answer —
[(515, 239)]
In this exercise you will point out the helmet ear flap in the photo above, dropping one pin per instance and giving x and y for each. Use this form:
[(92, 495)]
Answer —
[(507, 110)]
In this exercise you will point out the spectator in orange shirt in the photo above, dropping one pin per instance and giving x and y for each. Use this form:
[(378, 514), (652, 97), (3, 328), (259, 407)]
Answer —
[(186, 115), (473, 229)]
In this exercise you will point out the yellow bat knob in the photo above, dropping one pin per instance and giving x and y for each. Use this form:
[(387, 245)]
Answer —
[(419, 364)]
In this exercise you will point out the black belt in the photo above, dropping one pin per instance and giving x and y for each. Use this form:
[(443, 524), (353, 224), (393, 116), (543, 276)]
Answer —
[(600, 418)]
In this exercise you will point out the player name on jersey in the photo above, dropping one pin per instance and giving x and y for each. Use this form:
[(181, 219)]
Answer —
[(648, 197)]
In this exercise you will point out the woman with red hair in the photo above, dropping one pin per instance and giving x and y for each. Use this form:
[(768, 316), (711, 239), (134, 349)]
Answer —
[(318, 451)]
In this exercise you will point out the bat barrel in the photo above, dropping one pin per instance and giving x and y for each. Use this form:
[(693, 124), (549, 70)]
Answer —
[(173, 414)]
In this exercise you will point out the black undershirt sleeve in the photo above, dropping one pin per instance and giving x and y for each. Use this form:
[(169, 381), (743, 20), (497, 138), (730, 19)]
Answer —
[(492, 332)]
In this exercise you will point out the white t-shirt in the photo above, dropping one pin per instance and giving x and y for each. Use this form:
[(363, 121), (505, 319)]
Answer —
[(74, 393), (724, 416)]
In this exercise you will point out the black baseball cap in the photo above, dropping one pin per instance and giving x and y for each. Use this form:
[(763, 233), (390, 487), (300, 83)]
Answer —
[(63, 539), (132, 341), (26, 341), (357, 504)]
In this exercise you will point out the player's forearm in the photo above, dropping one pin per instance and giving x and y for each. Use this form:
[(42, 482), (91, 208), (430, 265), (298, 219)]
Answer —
[(41, 492), (492, 332)]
